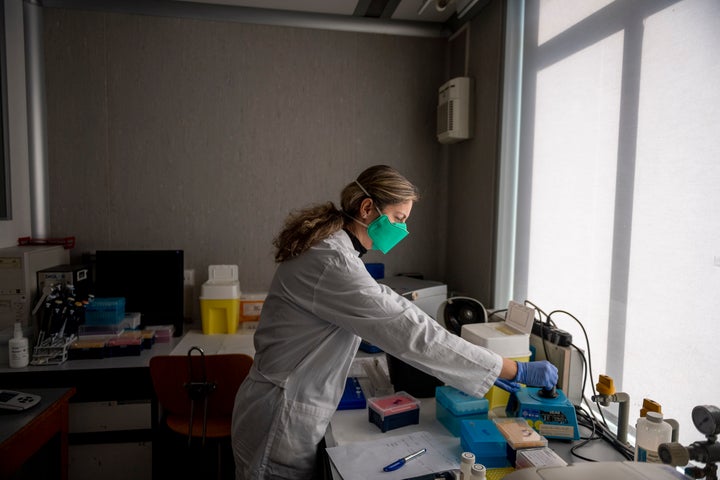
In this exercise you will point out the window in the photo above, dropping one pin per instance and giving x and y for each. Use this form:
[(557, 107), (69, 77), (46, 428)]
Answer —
[(618, 190)]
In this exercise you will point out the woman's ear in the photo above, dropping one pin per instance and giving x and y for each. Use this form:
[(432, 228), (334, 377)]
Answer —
[(366, 208)]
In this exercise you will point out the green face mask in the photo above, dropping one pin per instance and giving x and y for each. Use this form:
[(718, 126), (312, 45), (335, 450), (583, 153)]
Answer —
[(385, 234)]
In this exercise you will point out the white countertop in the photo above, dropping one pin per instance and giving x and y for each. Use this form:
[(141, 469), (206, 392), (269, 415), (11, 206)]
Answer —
[(218, 343)]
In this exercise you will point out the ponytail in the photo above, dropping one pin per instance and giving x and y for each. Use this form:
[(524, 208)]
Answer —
[(306, 227)]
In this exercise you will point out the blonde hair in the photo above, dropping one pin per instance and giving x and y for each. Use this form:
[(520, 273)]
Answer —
[(304, 228)]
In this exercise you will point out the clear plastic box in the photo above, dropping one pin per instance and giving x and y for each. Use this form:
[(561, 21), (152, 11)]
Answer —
[(538, 457), (394, 411), (519, 434)]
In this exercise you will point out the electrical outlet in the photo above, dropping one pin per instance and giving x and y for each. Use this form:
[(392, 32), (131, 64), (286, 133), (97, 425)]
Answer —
[(189, 278)]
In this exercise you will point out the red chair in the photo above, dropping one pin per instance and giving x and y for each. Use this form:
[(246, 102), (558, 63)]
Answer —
[(196, 395)]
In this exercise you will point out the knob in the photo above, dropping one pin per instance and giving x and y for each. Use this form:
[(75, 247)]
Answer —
[(673, 454)]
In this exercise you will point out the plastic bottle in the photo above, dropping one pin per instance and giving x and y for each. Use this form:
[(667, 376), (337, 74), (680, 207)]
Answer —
[(651, 431), (18, 348), (467, 460), (478, 472)]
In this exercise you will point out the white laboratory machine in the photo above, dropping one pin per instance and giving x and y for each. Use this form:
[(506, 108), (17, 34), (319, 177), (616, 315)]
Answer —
[(18, 281), (428, 295)]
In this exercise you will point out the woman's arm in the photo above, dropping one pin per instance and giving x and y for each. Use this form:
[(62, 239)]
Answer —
[(509, 369)]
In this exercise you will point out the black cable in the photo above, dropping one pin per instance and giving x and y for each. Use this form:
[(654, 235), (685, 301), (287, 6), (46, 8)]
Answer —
[(495, 312), (540, 313), (539, 310), (589, 356), (599, 429), (598, 432)]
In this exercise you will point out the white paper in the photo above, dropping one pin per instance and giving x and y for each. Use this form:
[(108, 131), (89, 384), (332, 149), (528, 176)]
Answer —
[(365, 460)]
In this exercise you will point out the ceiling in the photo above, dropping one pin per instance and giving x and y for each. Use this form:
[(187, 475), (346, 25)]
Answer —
[(396, 10)]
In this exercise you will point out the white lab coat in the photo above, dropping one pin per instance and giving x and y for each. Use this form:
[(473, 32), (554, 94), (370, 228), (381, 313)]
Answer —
[(318, 308)]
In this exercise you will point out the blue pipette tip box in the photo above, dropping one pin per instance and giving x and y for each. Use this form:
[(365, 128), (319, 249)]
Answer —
[(452, 406), (353, 397), (483, 438)]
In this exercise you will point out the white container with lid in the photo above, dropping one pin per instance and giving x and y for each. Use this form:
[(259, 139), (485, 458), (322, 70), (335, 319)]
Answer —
[(509, 338), (651, 432)]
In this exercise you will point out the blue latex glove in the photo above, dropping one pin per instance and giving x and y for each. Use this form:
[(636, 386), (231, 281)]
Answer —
[(537, 374), (507, 385)]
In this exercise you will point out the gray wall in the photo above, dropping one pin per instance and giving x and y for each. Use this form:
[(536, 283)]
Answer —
[(473, 165), (202, 135)]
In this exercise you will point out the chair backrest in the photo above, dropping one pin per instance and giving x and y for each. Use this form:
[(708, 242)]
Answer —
[(170, 374)]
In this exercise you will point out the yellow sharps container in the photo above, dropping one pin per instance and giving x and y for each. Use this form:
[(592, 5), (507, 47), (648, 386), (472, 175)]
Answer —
[(220, 300)]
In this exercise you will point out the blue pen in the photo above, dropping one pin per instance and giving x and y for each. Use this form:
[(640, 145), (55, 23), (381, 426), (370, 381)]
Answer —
[(399, 463)]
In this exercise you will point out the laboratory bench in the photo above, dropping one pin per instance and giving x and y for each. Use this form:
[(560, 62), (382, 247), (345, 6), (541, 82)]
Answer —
[(40, 434), (112, 378), (352, 426), (112, 412)]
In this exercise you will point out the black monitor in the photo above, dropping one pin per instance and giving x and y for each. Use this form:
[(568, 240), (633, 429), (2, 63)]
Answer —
[(151, 281)]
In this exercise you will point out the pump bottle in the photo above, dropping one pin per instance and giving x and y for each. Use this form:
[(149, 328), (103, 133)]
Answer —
[(18, 348)]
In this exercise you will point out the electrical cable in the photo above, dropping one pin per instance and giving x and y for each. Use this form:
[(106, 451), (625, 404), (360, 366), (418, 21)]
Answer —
[(495, 312), (538, 309), (599, 429), (589, 356), (598, 432)]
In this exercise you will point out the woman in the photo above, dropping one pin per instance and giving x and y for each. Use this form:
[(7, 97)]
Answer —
[(321, 302)]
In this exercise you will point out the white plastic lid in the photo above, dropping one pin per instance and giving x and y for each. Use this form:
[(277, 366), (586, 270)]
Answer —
[(222, 273), (220, 291), (654, 417), (520, 316)]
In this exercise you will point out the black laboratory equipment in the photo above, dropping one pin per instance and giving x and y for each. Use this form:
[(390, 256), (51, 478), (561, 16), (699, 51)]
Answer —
[(151, 281), (707, 420)]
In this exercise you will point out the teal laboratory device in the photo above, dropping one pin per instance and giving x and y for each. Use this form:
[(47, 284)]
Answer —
[(549, 412)]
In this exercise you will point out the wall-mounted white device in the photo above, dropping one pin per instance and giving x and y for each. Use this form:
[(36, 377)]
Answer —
[(454, 111)]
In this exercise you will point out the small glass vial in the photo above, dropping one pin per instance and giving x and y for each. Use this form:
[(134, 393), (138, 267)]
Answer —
[(478, 472), (467, 460)]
